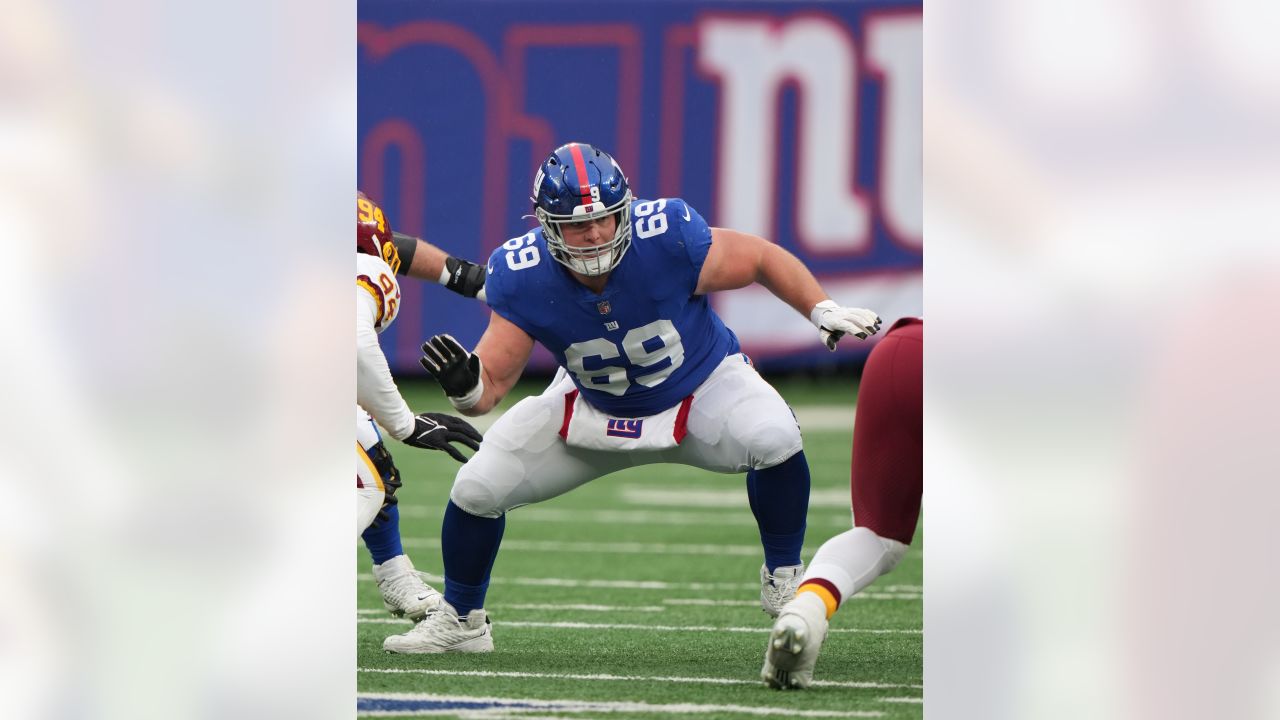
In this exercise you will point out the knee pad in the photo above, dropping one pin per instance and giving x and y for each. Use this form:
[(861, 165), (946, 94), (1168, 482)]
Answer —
[(773, 442), (471, 493), (893, 552)]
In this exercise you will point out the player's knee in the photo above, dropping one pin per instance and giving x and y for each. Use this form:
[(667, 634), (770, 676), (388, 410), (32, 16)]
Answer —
[(475, 496), (770, 444), (893, 553)]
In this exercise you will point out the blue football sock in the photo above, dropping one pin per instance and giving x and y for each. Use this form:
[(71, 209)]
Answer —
[(779, 498), (383, 536), (470, 545)]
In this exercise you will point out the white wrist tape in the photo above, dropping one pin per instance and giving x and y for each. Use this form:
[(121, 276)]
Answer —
[(815, 315), (471, 399), (444, 275)]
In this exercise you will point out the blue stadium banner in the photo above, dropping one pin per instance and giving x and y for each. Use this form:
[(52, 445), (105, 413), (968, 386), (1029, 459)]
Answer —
[(799, 122)]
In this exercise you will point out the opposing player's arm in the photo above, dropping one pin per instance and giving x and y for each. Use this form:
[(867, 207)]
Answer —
[(476, 381), (422, 260), (376, 391), (737, 259)]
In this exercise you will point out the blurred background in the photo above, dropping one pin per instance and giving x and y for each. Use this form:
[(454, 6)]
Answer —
[(799, 122)]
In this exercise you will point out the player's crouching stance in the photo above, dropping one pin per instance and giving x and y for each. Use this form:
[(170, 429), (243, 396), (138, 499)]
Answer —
[(886, 481), (649, 374), (377, 514)]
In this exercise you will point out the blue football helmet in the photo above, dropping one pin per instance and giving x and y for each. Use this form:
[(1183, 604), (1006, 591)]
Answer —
[(580, 182)]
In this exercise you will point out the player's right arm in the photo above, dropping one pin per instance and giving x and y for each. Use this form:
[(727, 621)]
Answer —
[(476, 382)]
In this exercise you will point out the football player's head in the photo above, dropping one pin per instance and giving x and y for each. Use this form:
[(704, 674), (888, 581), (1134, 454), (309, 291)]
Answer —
[(579, 183), (373, 232)]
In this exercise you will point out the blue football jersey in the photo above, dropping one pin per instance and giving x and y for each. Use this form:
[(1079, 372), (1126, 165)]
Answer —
[(644, 343)]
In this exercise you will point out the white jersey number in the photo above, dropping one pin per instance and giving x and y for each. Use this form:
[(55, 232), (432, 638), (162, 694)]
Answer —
[(522, 253), (649, 224), (644, 346)]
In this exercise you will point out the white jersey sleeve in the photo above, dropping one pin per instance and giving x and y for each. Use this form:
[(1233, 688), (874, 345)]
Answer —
[(377, 278), (377, 302)]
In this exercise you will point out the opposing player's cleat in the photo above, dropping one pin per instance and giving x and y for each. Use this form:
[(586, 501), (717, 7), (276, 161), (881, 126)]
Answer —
[(777, 589), (443, 631), (794, 643), (404, 593)]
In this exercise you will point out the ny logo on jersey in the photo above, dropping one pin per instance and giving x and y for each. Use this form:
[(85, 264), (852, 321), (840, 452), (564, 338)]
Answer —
[(624, 428), (611, 325)]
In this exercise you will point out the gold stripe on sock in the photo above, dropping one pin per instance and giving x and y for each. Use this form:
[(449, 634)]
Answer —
[(827, 598)]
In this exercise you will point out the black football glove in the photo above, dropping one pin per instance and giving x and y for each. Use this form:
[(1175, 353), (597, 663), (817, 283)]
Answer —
[(465, 278), (457, 370), (434, 431), (386, 469)]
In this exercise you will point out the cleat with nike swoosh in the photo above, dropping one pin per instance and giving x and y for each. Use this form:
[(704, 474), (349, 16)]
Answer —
[(404, 593)]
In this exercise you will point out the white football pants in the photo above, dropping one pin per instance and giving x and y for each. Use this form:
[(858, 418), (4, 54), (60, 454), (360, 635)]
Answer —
[(369, 489), (737, 421)]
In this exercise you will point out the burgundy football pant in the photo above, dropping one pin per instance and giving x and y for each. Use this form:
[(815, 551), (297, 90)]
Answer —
[(887, 474)]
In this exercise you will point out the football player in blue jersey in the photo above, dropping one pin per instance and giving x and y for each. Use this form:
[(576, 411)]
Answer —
[(616, 289)]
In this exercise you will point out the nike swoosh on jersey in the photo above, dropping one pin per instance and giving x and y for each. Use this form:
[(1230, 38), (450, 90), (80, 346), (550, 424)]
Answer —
[(490, 269), (686, 214)]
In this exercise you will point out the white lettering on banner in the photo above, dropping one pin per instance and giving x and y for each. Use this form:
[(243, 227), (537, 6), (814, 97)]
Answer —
[(752, 59), (893, 52), (764, 325)]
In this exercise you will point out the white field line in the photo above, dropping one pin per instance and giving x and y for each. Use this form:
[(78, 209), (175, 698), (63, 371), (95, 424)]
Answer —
[(610, 548), (589, 706), (705, 602), (730, 497), (584, 608), (650, 628), (629, 678), (625, 548), (916, 700), (637, 517), (614, 584), (753, 603), (825, 417), (633, 584), (551, 606)]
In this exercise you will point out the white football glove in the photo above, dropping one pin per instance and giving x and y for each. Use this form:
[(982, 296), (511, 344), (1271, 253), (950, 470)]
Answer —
[(833, 322)]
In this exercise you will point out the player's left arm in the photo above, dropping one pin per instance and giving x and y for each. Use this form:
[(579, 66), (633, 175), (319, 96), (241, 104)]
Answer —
[(737, 259), (422, 260)]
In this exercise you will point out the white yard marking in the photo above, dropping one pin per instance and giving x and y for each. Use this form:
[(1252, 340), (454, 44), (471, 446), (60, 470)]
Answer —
[(750, 603), (826, 417), (618, 584), (585, 608), (651, 628), (638, 584), (625, 548), (916, 700), (628, 678), (427, 702), (610, 548), (635, 517), (730, 497)]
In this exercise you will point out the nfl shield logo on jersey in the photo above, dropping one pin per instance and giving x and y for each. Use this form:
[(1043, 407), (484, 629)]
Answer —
[(603, 307)]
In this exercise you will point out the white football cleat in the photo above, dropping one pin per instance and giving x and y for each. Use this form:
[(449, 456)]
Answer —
[(779, 588), (404, 593), (442, 631), (794, 643)]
